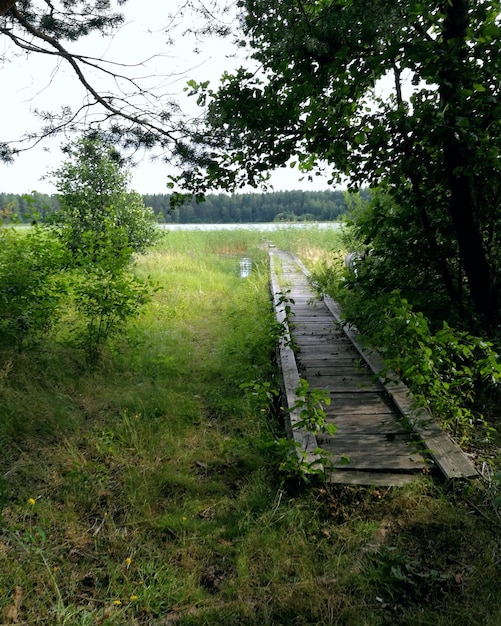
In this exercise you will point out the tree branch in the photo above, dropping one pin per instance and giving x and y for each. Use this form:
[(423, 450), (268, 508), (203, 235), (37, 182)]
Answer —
[(73, 60)]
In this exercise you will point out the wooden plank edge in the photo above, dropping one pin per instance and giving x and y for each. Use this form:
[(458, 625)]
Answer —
[(447, 455), (307, 442), (371, 479)]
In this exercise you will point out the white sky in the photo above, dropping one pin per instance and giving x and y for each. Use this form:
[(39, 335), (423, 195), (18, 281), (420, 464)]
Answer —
[(31, 82)]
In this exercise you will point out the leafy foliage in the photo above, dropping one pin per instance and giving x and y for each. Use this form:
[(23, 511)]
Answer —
[(32, 284), (105, 302), (101, 225), (310, 404), (71, 20), (394, 256), (99, 219), (313, 97), (447, 368), (451, 372)]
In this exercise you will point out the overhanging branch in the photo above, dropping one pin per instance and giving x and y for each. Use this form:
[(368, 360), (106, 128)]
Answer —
[(136, 114)]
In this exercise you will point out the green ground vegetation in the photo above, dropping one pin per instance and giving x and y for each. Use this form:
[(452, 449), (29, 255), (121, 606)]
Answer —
[(144, 490)]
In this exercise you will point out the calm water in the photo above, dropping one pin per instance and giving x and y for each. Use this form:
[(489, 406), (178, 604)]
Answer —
[(245, 267), (266, 226)]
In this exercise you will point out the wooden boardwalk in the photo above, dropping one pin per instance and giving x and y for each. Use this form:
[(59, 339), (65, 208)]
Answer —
[(387, 440)]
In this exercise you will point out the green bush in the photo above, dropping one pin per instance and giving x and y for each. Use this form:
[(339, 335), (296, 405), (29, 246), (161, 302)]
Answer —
[(101, 225), (105, 301), (100, 219), (32, 285)]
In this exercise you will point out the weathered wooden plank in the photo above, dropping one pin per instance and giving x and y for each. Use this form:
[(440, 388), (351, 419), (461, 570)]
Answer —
[(330, 348), (321, 338), (371, 479), (308, 329), (367, 429), (388, 429), (313, 314), (341, 370), (313, 344), (312, 359), (316, 316), (325, 341), (322, 344), (361, 411), (290, 375), (340, 383), (318, 311), (322, 341), (346, 399), (354, 412), (318, 321), (324, 320), (323, 349), (385, 462), (313, 353), (340, 366), (447, 455), (374, 443), (344, 371), (368, 426)]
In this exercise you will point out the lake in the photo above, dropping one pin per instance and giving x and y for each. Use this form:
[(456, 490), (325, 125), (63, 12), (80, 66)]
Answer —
[(266, 226)]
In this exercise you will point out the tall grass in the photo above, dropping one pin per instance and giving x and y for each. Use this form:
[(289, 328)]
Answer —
[(144, 491)]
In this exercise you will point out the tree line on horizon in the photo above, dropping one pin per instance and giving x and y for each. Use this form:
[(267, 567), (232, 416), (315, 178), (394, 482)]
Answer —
[(297, 205)]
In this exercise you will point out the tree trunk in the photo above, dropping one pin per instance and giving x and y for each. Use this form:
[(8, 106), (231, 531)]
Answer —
[(457, 161), (439, 259), (6, 5)]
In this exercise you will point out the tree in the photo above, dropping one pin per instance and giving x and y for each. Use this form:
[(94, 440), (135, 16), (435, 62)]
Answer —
[(117, 96), (311, 97), (102, 225), (100, 219)]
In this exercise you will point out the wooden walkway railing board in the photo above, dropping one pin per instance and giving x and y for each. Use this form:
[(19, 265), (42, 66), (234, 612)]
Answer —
[(387, 440)]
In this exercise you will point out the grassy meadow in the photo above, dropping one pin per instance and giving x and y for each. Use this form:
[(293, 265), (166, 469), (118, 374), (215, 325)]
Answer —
[(146, 490)]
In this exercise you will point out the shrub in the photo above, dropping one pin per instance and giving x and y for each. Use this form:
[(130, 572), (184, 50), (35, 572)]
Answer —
[(105, 301), (100, 219), (32, 284)]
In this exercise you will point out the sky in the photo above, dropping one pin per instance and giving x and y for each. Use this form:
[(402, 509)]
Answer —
[(36, 82)]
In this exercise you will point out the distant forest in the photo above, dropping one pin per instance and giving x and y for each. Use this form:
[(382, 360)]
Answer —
[(321, 206)]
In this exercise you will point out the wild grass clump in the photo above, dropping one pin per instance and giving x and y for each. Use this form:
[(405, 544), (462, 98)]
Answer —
[(314, 245), (142, 491)]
